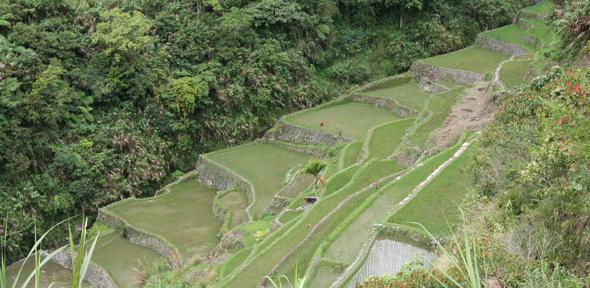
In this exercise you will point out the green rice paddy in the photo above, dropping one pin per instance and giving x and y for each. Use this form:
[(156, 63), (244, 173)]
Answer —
[(351, 154), (386, 139), (123, 259), (515, 72), (407, 94), (473, 59), (350, 119), (264, 165), (544, 8), (237, 203), (182, 216), (513, 34), (436, 206)]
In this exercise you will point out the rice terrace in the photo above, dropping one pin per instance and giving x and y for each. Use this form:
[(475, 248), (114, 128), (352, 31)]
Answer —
[(335, 195)]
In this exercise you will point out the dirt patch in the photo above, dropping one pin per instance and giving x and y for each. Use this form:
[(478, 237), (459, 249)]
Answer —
[(474, 111)]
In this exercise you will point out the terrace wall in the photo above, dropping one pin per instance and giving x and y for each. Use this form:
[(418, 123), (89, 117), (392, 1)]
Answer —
[(286, 132), (141, 238), (385, 103), (427, 73), (95, 274), (500, 46)]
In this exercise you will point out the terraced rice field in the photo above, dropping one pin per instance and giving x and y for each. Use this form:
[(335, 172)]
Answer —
[(385, 139), (473, 59), (408, 94), (350, 119), (264, 165), (435, 206), (351, 154), (343, 245), (513, 34), (364, 186), (237, 202), (51, 274), (544, 8), (182, 216), (515, 72), (124, 260)]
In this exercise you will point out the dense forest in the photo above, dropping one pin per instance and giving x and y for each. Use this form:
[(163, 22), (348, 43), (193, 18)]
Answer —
[(102, 100)]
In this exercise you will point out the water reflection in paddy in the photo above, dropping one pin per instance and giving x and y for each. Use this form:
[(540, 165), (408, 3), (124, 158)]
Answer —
[(387, 256)]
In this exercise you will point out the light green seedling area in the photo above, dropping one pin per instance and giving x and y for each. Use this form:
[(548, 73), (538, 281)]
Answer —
[(515, 72), (440, 107), (386, 139), (351, 119), (436, 206), (408, 94), (541, 30), (182, 216), (473, 59), (264, 165), (123, 259)]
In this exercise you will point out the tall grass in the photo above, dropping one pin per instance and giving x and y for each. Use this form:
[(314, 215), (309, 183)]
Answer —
[(464, 260), (297, 281), (80, 260)]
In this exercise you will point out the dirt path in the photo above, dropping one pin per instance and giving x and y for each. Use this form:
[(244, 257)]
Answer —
[(475, 110)]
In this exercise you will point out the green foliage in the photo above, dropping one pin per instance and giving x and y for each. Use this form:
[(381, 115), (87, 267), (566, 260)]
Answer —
[(315, 167)]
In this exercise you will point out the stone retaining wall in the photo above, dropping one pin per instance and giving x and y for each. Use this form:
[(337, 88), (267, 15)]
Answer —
[(385, 103), (500, 46), (95, 274), (422, 72), (221, 178), (142, 238), (293, 134), (312, 151)]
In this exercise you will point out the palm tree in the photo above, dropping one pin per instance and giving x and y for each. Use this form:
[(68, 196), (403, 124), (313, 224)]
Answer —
[(316, 167)]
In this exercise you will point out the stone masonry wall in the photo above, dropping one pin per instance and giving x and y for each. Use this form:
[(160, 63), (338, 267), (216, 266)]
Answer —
[(293, 134), (388, 104), (500, 46), (421, 71), (96, 275)]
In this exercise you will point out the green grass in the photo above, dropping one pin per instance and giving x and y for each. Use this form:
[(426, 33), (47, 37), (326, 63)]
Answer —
[(438, 202), (440, 105), (514, 72), (543, 8), (183, 216), (511, 33), (123, 259), (264, 165), (407, 94), (237, 202), (385, 139), (351, 154), (469, 59), (351, 119)]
